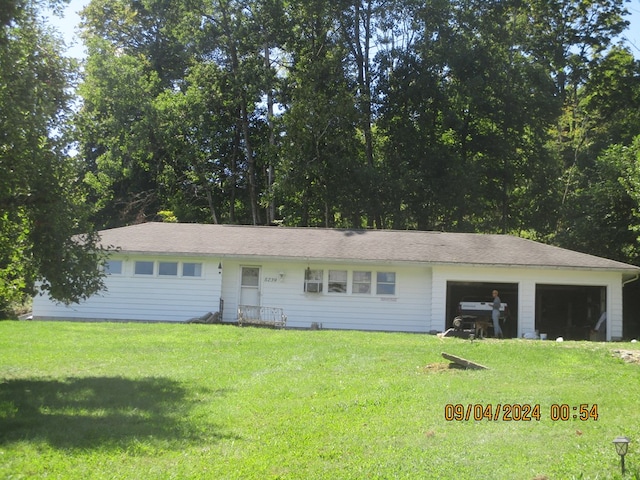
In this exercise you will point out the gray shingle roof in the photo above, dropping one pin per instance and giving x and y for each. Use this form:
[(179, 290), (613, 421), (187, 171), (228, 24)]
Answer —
[(353, 245)]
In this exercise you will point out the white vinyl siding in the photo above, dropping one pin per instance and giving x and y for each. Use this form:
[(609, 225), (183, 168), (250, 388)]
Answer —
[(282, 288), (145, 297), (418, 302)]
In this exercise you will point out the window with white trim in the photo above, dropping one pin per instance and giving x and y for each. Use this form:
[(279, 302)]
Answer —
[(191, 269), (361, 283), (144, 267), (386, 283), (113, 267), (337, 281), (313, 281), (169, 269)]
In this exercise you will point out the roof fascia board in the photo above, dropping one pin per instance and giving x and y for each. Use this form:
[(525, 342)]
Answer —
[(329, 260)]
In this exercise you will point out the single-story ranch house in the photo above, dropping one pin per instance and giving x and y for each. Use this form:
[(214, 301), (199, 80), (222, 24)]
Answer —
[(409, 281)]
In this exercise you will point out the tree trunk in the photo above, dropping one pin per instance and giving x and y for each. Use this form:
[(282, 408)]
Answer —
[(251, 166), (212, 207), (361, 54), (271, 209)]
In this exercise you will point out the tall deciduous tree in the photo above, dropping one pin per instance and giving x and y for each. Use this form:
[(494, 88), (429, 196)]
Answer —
[(136, 51), (570, 38), (318, 179), (41, 204), (186, 123), (466, 111), (203, 147), (600, 211), (361, 23)]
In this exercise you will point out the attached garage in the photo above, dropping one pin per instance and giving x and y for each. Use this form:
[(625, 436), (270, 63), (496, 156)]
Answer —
[(560, 301), (458, 291), (569, 311)]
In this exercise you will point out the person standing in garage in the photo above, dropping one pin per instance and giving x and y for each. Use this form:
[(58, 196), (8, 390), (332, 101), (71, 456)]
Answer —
[(495, 315)]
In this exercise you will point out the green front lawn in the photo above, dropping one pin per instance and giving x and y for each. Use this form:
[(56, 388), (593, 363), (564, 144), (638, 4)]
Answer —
[(161, 401)]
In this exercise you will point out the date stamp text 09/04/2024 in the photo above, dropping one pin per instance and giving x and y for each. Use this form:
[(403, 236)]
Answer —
[(519, 412)]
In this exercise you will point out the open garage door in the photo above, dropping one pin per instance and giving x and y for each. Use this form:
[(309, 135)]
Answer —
[(570, 311), (457, 291)]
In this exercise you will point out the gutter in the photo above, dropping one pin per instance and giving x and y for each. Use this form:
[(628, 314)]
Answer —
[(633, 279), (365, 261)]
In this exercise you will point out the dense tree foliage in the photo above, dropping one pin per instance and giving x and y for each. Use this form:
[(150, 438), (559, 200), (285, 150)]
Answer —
[(457, 115), (41, 205), (598, 211), (461, 115)]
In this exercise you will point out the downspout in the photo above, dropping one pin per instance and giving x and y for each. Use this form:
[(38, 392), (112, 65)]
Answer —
[(631, 279)]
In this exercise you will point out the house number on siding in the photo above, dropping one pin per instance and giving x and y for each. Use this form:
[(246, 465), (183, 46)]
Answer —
[(270, 279)]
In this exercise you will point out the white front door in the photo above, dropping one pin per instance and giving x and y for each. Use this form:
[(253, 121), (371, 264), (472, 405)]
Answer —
[(250, 286)]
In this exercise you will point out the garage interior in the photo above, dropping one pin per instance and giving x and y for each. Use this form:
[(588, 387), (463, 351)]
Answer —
[(508, 292), (567, 311), (570, 311), (631, 310)]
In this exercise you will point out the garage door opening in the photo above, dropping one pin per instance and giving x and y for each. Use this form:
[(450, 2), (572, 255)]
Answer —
[(570, 311), (458, 291)]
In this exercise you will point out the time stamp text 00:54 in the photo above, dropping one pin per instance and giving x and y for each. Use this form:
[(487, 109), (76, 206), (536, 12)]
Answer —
[(519, 412)]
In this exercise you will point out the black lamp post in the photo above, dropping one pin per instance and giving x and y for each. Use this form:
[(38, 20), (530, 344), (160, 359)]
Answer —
[(622, 445)]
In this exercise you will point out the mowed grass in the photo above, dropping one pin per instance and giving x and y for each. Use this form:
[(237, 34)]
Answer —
[(161, 401)]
